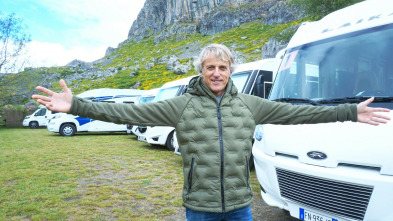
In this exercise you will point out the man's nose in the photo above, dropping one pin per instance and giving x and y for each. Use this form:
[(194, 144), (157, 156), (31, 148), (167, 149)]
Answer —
[(216, 71)]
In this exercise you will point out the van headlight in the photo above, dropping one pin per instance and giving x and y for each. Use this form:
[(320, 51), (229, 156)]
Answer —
[(27, 117)]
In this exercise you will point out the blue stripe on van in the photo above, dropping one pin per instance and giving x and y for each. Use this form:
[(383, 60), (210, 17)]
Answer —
[(82, 120)]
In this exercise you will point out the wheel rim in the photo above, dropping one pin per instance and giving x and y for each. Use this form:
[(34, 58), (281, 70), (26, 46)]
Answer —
[(68, 130), (33, 125)]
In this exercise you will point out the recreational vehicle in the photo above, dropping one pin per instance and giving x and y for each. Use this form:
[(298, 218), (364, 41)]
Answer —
[(333, 171), (68, 125)]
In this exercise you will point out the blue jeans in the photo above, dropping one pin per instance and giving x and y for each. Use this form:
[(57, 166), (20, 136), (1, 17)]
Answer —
[(242, 214)]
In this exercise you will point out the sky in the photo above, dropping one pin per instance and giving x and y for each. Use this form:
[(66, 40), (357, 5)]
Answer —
[(64, 30)]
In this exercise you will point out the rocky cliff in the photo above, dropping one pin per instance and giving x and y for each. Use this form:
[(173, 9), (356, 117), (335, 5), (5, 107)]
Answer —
[(205, 16)]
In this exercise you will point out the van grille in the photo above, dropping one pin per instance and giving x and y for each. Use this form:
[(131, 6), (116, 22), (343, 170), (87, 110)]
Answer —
[(344, 199)]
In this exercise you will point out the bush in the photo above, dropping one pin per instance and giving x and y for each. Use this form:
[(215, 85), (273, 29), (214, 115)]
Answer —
[(320, 8)]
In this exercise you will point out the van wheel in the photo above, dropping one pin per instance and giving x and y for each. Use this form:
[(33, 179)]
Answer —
[(33, 124), (169, 142), (251, 162), (67, 130)]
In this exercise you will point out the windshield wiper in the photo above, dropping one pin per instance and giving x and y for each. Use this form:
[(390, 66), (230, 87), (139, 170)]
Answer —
[(298, 100), (357, 99)]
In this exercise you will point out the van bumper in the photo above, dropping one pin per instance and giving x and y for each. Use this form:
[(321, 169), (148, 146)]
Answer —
[(53, 126), (25, 123), (296, 201)]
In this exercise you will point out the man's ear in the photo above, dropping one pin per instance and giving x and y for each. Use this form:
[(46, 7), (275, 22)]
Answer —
[(201, 74)]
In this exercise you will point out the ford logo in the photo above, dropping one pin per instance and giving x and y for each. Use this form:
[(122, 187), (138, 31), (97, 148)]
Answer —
[(316, 155)]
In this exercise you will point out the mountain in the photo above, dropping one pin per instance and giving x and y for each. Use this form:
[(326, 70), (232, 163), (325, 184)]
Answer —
[(207, 17), (163, 42)]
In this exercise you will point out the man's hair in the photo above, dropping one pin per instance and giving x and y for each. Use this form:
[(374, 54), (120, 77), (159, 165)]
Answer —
[(220, 51)]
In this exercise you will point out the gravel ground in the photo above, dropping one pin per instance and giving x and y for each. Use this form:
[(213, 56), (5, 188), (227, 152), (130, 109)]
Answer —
[(260, 211)]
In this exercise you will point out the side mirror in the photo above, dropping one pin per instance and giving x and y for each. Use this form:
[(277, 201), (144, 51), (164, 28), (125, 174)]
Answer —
[(263, 84)]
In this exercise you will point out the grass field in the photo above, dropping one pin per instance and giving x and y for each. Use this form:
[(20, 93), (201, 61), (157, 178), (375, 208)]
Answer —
[(44, 176)]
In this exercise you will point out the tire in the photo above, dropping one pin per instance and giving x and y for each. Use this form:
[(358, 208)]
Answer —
[(251, 162), (169, 142), (67, 130), (33, 125)]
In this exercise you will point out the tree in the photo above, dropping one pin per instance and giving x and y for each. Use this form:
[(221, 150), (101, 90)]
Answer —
[(320, 8), (13, 40)]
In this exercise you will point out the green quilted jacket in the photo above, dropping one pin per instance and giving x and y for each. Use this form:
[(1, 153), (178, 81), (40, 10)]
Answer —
[(214, 137)]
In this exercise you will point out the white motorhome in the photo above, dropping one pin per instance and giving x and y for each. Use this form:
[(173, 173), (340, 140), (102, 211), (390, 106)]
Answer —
[(147, 97), (102, 94), (160, 135), (333, 171), (254, 78), (39, 118), (68, 125)]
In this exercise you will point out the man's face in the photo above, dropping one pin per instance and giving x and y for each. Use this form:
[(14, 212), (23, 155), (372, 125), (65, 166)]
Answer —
[(216, 74)]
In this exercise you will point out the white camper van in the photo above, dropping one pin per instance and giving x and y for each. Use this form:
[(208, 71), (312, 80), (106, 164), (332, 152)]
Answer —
[(160, 135), (147, 97), (39, 118), (333, 171), (68, 125)]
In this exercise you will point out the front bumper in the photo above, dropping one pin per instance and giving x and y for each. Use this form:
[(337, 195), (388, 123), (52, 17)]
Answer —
[(269, 173), (53, 126)]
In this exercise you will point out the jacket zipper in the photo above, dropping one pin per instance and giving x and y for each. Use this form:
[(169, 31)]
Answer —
[(222, 156)]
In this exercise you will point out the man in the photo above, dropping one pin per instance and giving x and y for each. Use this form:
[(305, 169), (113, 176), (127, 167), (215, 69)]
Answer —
[(214, 125)]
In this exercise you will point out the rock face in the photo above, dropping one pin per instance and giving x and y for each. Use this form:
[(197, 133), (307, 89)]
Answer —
[(282, 12), (208, 16), (225, 18)]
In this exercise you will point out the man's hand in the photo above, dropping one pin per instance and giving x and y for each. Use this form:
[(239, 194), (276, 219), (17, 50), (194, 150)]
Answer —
[(368, 114), (60, 102)]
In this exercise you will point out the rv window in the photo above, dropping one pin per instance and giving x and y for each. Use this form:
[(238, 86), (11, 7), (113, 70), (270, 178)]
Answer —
[(42, 112), (240, 79), (166, 93), (146, 100)]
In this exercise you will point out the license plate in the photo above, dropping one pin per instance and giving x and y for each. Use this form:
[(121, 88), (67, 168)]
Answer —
[(311, 216), (142, 138)]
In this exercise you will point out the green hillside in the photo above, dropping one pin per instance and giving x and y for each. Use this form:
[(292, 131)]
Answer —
[(246, 40)]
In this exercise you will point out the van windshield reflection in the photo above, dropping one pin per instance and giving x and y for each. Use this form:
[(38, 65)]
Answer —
[(343, 67)]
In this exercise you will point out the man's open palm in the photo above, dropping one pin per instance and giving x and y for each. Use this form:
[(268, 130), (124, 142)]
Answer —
[(370, 115), (60, 102)]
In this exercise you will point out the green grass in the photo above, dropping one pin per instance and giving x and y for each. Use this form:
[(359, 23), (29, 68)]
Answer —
[(90, 176)]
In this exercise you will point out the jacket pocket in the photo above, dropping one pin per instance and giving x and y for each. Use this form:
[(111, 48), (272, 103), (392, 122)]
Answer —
[(248, 171), (190, 175)]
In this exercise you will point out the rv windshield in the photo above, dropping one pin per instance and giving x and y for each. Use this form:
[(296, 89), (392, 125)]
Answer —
[(166, 93), (240, 79), (349, 66)]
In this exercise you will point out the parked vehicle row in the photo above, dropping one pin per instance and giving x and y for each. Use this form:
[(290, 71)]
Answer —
[(68, 125)]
